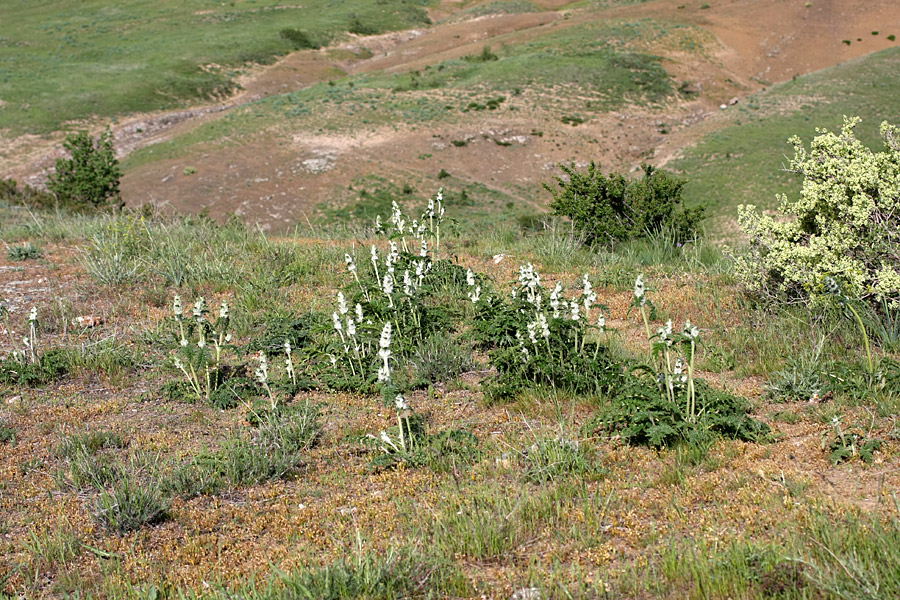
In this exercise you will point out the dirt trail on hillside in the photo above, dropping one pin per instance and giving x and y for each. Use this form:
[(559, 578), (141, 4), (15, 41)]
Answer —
[(759, 42)]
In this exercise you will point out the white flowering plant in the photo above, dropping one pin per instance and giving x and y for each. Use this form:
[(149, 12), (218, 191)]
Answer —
[(844, 224), (200, 344), (27, 363), (664, 403), (538, 337), (410, 444), (398, 298)]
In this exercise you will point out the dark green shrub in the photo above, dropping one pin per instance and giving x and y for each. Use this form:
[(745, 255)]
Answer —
[(27, 195), (613, 208), (486, 55), (642, 415), (90, 178), (299, 39), (573, 120), (358, 27)]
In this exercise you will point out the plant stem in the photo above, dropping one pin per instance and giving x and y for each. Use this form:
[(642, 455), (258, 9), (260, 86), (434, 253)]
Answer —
[(402, 436), (865, 338), (691, 390)]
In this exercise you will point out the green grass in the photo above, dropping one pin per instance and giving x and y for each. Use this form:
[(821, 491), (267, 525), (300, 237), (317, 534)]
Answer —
[(743, 163), (72, 60), (601, 57)]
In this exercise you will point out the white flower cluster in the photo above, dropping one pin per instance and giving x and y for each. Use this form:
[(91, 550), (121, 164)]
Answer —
[(531, 291), (474, 290), (384, 353)]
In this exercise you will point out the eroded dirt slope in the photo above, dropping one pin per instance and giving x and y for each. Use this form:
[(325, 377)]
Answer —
[(281, 175)]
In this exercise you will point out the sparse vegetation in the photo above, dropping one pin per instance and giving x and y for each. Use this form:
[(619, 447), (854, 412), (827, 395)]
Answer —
[(456, 396)]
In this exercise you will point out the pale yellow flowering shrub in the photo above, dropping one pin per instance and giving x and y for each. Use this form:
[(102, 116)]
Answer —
[(845, 224)]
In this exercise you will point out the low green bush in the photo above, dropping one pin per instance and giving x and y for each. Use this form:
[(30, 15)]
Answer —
[(613, 208), (300, 40), (24, 252)]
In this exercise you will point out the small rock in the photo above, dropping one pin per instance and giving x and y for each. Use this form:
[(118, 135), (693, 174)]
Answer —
[(89, 321), (733, 101)]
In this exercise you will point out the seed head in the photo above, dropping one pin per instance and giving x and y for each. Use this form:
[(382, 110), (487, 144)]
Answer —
[(177, 309)]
